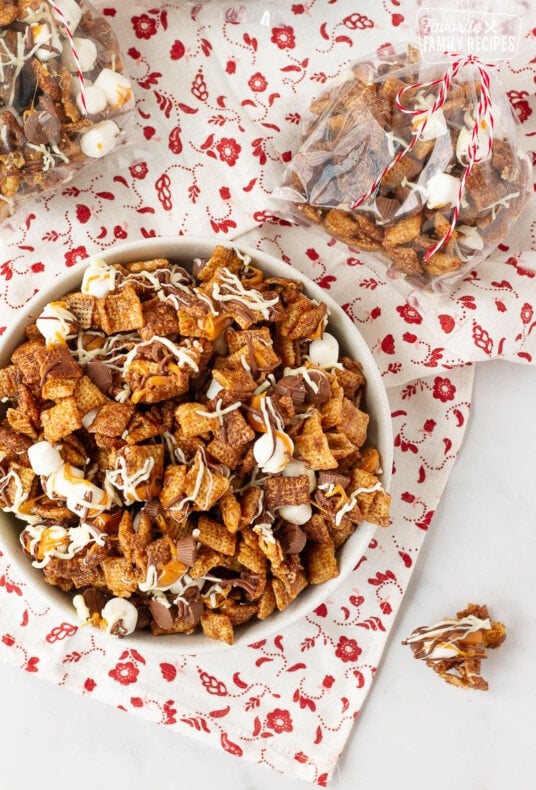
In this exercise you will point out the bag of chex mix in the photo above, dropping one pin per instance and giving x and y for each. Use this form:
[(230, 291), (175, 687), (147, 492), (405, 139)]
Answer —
[(414, 156), (65, 100)]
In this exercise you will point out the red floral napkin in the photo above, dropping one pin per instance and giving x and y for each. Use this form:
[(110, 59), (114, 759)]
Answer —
[(219, 106)]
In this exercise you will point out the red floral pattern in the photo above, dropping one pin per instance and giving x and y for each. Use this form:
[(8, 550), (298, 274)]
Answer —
[(257, 82), (283, 37), (144, 26), (228, 150), (124, 673), (214, 143), (444, 390), (279, 721), (348, 649), (138, 170)]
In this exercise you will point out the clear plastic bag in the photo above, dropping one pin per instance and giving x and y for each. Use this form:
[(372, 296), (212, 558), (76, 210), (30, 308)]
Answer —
[(64, 98), (419, 163), (263, 12)]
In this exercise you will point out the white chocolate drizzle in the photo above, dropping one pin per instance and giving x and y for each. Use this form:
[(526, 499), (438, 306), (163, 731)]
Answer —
[(434, 647), (184, 355), (65, 544), (219, 412), (231, 289), (129, 483), (352, 501)]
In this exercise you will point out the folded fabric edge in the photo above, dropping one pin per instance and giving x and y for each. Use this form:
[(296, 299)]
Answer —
[(292, 762)]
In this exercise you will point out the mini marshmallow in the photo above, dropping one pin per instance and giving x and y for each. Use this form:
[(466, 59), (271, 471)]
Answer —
[(121, 616), (55, 322), (470, 237), (44, 458), (71, 13), (116, 87), (82, 610), (100, 139), (442, 190), (43, 34), (61, 483), (436, 125), (213, 388), (296, 514), (465, 140), (86, 50), (94, 98), (88, 418), (84, 495), (295, 468), (98, 279), (272, 453), (324, 351)]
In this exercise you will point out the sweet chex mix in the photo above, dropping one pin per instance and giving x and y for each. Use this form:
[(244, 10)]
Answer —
[(456, 646), (188, 449), (382, 163), (64, 96)]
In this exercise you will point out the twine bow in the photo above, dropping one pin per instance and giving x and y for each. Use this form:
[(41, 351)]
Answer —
[(483, 111), (69, 33)]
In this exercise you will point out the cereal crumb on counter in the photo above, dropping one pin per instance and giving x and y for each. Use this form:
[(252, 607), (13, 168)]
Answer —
[(455, 647)]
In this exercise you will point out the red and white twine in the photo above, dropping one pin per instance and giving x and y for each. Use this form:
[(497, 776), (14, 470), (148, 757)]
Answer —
[(483, 111), (69, 33)]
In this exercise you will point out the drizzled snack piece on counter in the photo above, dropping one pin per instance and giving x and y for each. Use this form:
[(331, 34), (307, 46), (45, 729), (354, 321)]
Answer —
[(357, 137), (188, 449), (57, 111), (455, 647)]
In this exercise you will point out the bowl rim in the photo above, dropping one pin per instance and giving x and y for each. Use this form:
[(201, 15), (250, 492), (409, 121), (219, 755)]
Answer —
[(184, 249)]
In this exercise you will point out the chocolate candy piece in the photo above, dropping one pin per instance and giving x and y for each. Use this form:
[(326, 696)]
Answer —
[(318, 389), (162, 616), (41, 127), (100, 374), (292, 539), (186, 550), (292, 386), (25, 89), (332, 478)]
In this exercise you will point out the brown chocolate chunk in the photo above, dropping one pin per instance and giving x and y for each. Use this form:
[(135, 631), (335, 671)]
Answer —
[(59, 364), (197, 265), (332, 478), (321, 391), (190, 613), (249, 582), (162, 615), (292, 538), (387, 208), (152, 509), (187, 550), (100, 374), (41, 127), (292, 386)]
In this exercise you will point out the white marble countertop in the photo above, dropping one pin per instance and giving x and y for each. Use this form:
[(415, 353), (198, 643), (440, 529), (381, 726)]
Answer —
[(481, 548)]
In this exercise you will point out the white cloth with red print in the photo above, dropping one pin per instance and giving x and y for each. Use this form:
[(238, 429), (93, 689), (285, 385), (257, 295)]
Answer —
[(219, 107)]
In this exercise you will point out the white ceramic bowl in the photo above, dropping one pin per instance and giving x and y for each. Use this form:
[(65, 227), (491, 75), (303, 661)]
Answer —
[(183, 250)]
